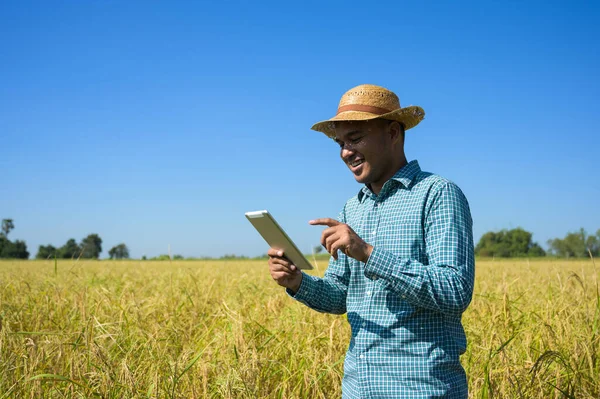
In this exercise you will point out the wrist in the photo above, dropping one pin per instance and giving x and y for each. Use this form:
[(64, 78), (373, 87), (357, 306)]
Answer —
[(295, 285), (367, 253)]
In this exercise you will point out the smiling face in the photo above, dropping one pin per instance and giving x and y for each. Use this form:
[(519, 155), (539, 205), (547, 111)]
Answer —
[(373, 150)]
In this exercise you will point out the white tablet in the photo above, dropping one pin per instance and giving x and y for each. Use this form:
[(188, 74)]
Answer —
[(276, 237)]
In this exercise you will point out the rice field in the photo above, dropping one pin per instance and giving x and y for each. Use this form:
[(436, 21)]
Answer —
[(224, 329)]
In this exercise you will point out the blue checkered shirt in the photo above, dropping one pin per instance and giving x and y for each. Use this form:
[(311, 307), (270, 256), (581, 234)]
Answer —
[(405, 303)]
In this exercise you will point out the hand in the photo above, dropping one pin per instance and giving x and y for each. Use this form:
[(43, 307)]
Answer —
[(283, 271), (339, 236)]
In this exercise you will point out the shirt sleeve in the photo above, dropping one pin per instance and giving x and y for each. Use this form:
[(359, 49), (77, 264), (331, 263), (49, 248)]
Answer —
[(445, 284), (327, 294)]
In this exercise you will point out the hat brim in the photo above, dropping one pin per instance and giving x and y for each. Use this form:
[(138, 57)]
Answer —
[(408, 116)]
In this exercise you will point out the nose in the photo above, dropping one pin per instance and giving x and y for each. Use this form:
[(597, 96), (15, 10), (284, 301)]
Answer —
[(346, 152)]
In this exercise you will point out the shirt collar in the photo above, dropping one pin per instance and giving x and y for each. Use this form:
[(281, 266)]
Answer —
[(404, 176)]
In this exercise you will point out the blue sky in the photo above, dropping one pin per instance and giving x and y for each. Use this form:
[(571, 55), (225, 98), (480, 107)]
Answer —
[(161, 123)]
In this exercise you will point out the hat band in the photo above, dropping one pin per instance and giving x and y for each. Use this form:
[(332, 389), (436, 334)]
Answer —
[(362, 108)]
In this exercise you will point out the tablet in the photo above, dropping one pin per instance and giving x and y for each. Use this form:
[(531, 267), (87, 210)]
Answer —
[(276, 237)]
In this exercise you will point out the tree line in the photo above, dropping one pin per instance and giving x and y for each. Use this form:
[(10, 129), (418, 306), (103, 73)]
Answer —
[(518, 243), (503, 244), (89, 247)]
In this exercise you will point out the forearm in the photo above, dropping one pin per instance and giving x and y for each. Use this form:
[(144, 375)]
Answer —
[(327, 294), (443, 287)]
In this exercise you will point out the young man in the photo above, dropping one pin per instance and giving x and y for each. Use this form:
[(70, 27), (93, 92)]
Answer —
[(402, 263)]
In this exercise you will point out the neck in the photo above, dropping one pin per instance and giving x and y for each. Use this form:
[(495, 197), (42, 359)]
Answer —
[(399, 163)]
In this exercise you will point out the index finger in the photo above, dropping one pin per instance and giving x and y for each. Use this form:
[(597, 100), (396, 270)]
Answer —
[(324, 222)]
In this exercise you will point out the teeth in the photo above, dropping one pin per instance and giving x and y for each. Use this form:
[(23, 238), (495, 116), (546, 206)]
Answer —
[(356, 163)]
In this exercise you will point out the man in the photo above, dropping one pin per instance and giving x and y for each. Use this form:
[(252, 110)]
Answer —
[(402, 263)]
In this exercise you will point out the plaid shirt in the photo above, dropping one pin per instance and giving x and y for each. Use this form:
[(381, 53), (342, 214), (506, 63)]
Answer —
[(405, 303)]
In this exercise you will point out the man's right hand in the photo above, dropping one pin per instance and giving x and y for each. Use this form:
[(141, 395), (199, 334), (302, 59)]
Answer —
[(283, 271)]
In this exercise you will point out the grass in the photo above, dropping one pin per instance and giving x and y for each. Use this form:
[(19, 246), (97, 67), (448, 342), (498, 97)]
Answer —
[(184, 329)]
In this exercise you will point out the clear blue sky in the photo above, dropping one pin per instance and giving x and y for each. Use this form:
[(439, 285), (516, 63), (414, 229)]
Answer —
[(157, 123)]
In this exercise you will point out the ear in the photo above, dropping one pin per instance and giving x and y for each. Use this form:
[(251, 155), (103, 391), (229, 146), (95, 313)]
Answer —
[(396, 132)]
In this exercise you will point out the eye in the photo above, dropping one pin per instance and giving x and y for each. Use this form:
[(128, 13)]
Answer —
[(356, 140)]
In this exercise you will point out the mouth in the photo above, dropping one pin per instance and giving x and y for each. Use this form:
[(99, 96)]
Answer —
[(356, 162), (356, 165)]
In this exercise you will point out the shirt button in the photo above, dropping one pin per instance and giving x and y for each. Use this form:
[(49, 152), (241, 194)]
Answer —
[(368, 293), (363, 324), (403, 296), (362, 356), (374, 231)]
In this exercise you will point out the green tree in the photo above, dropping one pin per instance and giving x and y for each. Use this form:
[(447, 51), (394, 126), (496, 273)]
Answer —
[(119, 252), (508, 243), (46, 252), (13, 250), (9, 249), (3, 243), (91, 247), (593, 243), (536, 250), (70, 250), (7, 226), (576, 245)]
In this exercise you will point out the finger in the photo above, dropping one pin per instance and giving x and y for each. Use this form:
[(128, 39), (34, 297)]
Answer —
[(281, 272), (277, 263), (326, 234), (275, 252), (324, 222), (283, 262), (281, 277), (339, 245), (331, 240)]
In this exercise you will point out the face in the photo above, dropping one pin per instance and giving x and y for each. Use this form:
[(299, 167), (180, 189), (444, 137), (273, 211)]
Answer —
[(369, 149)]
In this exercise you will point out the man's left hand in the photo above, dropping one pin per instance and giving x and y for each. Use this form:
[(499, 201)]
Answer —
[(340, 236)]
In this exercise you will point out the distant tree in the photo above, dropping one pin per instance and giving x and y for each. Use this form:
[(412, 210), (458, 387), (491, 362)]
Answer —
[(318, 249), (4, 242), (576, 245), (70, 250), (119, 252), (91, 247), (536, 250), (144, 257), (593, 243), (13, 250), (508, 243), (233, 257), (177, 257), (7, 226), (9, 249), (46, 252)]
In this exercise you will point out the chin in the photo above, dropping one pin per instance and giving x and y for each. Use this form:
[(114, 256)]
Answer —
[(363, 178), (365, 175)]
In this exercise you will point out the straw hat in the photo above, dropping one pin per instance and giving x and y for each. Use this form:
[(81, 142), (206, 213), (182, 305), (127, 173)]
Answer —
[(366, 102)]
